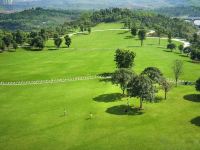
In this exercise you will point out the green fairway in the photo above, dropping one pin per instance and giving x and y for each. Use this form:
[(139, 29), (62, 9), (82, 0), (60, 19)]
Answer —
[(32, 116)]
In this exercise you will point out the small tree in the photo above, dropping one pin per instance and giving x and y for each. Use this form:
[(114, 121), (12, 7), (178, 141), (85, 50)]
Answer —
[(15, 46), (58, 42), (159, 35), (2, 45), (198, 85), (124, 58), (142, 36), (180, 47), (153, 73), (68, 40), (122, 77), (134, 31), (89, 30), (141, 87), (169, 38), (177, 69), (171, 46), (166, 86)]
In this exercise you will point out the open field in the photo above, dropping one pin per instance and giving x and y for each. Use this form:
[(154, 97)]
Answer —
[(31, 117)]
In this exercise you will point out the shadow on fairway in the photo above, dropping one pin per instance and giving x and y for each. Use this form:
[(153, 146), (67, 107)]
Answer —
[(192, 97), (193, 61), (168, 51), (124, 110), (128, 37), (132, 46), (196, 121), (182, 55), (53, 49), (123, 32), (108, 97)]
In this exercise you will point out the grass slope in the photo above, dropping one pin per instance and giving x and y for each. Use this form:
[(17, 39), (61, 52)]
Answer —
[(31, 117)]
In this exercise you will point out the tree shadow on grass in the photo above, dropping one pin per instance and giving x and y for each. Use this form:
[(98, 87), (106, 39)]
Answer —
[(182, 55), (132, 46), (192, 97), (196, 121), (53, 49), (124, 110), (123, 32), (193, 61), (128, 37), (109, 97), (168, 51)]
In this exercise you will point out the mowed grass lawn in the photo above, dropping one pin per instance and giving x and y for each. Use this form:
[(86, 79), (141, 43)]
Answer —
[(31, 117)]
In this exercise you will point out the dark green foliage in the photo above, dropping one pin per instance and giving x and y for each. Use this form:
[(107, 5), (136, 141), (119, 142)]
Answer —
[(187, 50), (89, 30), (37, 42), (171, 46), (195, 54), (153, 73), (134, 31), (169, 38), (142, 36), (198, 85), (7, 39), (57, 42), (122, 77), (141, 87), (68, 40), (180, 47), (124, 58), (19, 37)]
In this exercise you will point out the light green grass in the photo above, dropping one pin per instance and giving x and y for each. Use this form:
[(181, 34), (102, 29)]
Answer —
[(31, 117)]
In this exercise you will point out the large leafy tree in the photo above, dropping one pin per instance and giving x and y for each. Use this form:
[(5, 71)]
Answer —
[(198, 85), (37, 42), (134, 31), (122, 77), (177, 69), (171, 46), (68, 40), (142, 35), (57, 42), (141, 87), (153, 73), (7, 39), (124, 58), (2, 45), (19, 37)]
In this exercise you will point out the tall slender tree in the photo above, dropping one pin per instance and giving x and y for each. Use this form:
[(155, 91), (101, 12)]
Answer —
[(142, 35)]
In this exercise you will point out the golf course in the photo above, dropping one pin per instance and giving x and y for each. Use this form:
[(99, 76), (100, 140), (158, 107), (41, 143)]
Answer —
[(89, 114)]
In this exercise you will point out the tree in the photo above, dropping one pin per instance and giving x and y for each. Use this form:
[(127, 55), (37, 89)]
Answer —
[(169, 38), (15, 46), (89, 30), (2, 45), (7, 40), (134, 31), (153, 73), (43, 34), (141, 87), (124, 58), (195, 37), (37, 42), (19, 37), (68, 40), (122, 77), (197, 85), (180, 47), (166, 86), (58, 42), (142, 36), (177, 69), (159, 35), (171, 46)]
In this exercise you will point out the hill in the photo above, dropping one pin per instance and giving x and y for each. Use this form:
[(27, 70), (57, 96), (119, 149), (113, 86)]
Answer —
[(33, 19)]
